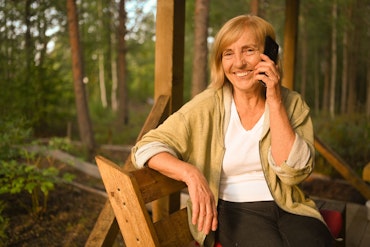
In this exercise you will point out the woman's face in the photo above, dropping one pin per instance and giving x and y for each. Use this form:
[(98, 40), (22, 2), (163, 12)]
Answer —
[(239, 60)]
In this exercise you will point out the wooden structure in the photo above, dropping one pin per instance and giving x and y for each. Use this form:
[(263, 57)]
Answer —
[(129, 192), (106, 228), (168, 98)]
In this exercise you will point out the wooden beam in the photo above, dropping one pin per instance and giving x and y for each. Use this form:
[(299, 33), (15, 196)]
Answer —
[(169, 51), (105, 230), (290, 41), (169, 73)]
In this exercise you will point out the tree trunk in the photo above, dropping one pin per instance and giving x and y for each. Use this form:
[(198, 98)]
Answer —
[(83, 117), (343, 100), (367, 108), (325, 71), (333, 77), (254, 7), (28, 40), (123, 117), (353, 57), (304, 58), (200, 58), (317, 82)]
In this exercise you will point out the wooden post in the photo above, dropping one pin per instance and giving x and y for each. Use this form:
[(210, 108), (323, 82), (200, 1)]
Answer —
[(169, 73), (290, 41), (169, 51)]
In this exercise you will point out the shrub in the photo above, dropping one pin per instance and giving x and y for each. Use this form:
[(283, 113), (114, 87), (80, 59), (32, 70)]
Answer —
[(12, 133), (20, 177)]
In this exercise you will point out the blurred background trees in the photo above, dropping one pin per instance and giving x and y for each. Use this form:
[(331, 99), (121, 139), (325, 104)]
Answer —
[(117, 41)]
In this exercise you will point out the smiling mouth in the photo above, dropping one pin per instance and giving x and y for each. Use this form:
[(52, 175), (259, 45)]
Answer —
[(241, 74)]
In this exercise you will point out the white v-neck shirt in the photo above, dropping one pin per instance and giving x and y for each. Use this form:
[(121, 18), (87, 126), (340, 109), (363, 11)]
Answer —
[(242, 178)]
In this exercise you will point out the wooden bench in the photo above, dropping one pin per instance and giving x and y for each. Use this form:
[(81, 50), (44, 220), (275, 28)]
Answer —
[(130, 191)]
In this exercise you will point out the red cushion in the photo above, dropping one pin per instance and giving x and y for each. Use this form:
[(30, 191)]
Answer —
[(334, 221)]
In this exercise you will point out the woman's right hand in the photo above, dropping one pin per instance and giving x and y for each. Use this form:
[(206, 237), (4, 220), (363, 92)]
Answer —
[(203, 201)]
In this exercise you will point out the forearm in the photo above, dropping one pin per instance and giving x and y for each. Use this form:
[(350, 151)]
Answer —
[(282, 133), (171, 166)]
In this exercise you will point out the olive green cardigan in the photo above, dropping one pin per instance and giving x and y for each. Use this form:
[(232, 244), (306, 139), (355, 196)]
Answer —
[(196, 134)]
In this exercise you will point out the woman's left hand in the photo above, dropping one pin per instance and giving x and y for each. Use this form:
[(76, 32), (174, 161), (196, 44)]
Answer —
[(268, 72)]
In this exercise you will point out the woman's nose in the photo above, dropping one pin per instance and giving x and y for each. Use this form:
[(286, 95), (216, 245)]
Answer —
[(240, 60)]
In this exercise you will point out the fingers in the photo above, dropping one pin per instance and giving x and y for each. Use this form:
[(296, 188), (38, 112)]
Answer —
[(267, 72), (204, 211), (205, 215), (207, 220)]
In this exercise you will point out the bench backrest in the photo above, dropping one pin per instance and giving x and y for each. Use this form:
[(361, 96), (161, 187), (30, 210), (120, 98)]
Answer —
[(129, 192)]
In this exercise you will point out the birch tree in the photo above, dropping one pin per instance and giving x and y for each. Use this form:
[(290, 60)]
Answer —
[(333, 77)]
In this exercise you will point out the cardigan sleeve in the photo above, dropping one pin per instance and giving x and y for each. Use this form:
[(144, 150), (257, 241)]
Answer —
[(141, 155), (298, 156)]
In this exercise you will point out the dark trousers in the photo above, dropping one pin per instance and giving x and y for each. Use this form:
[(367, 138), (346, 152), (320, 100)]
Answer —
[(265, 224)]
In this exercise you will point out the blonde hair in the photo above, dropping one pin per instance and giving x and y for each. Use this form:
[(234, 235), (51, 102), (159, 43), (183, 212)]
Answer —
[(230, 32)]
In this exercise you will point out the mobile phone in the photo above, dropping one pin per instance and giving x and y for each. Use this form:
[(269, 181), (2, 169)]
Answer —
[(271, 50)]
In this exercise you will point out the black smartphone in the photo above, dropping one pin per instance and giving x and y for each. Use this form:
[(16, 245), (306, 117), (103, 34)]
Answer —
[(271, 50)]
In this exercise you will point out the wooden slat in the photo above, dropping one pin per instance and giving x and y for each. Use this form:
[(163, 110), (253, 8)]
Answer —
[(105, 230), (153, 185), (129, 208), (157, 115), (174, 231)]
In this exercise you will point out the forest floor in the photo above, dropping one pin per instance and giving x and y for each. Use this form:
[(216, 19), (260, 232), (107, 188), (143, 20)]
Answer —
[(72, 211)]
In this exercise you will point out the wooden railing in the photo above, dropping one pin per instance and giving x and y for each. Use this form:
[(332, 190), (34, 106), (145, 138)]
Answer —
[(342, 167)]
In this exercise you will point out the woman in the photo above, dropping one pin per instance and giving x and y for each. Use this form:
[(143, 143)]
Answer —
[(242, 147)]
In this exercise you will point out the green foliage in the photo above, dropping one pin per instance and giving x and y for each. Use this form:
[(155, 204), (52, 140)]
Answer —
[(18, 178), (348, 136), (13, 132), (60, 143), (21, 171), (30, 178)]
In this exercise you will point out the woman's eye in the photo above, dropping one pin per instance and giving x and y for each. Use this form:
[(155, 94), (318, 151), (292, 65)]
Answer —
[(249, 51), (227, 54)]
